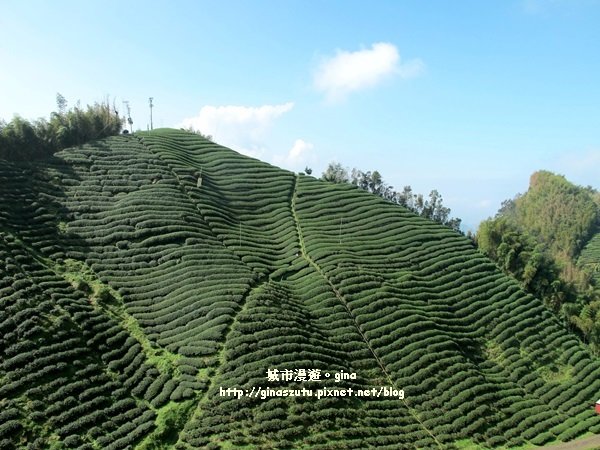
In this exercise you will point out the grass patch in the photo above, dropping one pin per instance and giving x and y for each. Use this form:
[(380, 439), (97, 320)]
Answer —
[(62, 227), (467, 444), (493, 351), (104, 297), (556, 374), (170, 420)]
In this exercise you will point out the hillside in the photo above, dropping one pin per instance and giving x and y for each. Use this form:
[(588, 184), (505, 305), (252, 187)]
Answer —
[(589, 259), (547, 238), (142, 276), (561, 213)]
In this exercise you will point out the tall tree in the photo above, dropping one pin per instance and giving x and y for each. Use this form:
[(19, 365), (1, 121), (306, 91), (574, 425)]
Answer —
[(335, 173), (373, 182)]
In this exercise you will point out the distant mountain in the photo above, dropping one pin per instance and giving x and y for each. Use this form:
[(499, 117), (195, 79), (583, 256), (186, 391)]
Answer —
[(158, 290)]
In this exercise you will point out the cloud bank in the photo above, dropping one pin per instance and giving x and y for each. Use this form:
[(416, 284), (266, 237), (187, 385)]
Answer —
[(239, 127), (346, 72), (300, 155)]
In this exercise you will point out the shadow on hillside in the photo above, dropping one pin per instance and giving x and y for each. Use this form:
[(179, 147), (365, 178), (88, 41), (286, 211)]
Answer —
[(34, 204)]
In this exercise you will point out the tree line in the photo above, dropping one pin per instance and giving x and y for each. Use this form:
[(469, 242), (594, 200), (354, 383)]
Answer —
[(431, 208), (22, 140)]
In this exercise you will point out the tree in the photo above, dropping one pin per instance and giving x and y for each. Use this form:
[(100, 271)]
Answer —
[(191, 129), (20, 140), (61, 103), (406, 198), (535, 237), (335, 173), (373, 182), (23, 140), (520, 255), (507, 207), (558, 212)]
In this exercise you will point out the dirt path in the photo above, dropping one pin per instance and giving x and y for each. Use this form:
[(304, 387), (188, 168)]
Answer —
[(591, 442)]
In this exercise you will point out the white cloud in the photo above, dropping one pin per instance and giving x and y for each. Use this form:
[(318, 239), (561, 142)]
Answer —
[(299, 151), (239, 127), (299, 155), (351, 71)]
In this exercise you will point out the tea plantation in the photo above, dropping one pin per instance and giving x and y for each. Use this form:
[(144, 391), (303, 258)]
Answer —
[(590, 257), (141, 276)]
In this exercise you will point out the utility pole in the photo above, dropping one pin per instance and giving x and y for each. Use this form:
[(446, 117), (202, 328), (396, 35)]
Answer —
[(151, 105), (129, 121)]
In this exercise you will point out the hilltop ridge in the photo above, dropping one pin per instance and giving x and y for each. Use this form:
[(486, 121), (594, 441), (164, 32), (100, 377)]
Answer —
[(142, 276)]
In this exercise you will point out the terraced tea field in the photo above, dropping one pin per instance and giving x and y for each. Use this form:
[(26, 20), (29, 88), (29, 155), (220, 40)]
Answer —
[(590, 257), (143, 276)]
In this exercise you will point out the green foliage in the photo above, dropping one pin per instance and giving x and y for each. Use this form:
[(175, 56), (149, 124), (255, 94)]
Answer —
[(589, 260), (561, 214), (335, 173), (191, 129), (536, 238), (170, 420), (130, 301), (519, 255), (557, 214), (22, 140), (373, 182)]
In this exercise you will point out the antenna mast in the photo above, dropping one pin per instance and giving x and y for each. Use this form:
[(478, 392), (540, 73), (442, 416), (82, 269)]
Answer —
[(129, 121), (151, 105)]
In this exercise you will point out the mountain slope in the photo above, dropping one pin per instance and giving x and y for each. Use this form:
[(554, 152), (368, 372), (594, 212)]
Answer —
[(142, 276), (590, 258)]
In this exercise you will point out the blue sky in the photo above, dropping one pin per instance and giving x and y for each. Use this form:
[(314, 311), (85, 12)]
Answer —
[(466, 97)]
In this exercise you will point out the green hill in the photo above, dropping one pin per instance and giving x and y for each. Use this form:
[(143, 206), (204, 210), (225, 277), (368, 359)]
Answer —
[(562, 214), (545, 239), (589, 259), (143, 276)]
